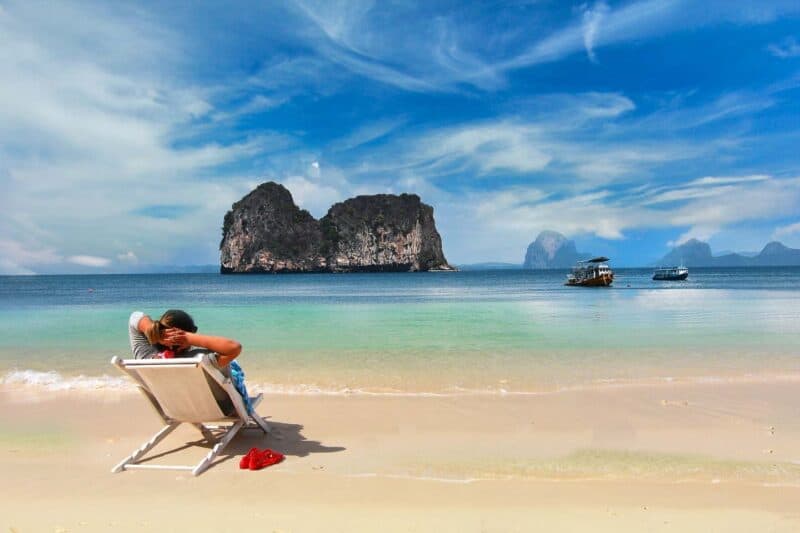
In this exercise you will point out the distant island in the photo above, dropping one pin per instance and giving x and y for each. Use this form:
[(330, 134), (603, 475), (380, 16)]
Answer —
[(552, 250), (266, 232), (694, 253)]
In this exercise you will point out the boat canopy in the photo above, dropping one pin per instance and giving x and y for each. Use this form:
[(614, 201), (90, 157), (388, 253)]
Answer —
[(600, 259)]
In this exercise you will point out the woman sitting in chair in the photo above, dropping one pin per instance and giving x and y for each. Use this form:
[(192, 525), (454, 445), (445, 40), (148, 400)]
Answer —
[(175, 335)]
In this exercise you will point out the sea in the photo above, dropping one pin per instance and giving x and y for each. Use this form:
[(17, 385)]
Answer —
[(495, 332)]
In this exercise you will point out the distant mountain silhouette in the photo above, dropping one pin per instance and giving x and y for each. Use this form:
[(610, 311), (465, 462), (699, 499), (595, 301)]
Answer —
[(694, 253), (552, 250), (776, 254)]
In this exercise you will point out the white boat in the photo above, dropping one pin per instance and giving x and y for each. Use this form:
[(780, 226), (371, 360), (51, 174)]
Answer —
[(675, 273)]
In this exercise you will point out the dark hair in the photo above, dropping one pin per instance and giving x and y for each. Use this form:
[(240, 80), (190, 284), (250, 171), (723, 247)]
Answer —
[(173, 318)]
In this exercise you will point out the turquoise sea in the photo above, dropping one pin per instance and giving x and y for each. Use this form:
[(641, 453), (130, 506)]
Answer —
[(502, 331)]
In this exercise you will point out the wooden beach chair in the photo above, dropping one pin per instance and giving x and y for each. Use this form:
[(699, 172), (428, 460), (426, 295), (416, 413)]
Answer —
[(188, 390)]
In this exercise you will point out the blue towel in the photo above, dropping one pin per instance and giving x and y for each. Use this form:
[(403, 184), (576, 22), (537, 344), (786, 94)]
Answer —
[(237, 377)]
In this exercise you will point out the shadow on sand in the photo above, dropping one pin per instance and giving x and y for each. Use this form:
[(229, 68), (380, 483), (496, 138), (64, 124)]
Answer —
[(284, 437)]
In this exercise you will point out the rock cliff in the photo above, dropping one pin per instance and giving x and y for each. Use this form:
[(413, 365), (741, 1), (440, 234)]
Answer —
[(552, 250), (382, 232), (266, 232)]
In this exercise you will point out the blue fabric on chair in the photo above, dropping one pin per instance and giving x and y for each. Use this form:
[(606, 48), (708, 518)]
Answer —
[(237, 377)]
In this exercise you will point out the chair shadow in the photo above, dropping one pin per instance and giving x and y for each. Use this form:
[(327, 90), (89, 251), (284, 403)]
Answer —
[(283, 437)]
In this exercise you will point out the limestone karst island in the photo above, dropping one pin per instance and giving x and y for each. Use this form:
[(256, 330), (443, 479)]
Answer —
[(266, 232)]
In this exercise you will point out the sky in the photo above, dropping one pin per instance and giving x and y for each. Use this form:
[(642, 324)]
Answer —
[(127, 130)]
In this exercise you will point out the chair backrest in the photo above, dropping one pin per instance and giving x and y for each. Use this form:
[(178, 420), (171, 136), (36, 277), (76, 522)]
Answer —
[(185, 389)]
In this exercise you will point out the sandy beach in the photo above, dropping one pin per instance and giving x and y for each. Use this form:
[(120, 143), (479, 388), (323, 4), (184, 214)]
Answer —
[(679, 457)]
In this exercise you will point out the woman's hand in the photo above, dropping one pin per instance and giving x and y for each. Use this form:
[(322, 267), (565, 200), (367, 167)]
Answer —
[(174, 338)]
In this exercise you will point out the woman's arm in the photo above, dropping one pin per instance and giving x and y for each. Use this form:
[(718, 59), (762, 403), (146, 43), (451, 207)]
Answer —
[(140, 346), (227, 349)]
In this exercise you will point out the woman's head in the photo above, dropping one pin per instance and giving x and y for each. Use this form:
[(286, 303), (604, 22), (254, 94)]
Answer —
[(173, 318)]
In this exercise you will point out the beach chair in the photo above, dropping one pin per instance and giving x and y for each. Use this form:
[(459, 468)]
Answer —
[(188, 391)]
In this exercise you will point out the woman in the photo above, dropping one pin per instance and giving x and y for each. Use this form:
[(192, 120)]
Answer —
[(175, 335)]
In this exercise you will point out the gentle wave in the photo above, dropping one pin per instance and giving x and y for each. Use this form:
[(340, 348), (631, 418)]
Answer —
[(55, 381)]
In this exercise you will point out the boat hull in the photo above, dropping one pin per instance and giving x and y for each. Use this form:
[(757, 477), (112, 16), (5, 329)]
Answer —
[(679, 277), (603, 280)]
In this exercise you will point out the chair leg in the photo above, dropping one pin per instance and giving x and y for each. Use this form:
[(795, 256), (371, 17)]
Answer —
[(206, 462), (209, 436), (146, 447), (255, 417)]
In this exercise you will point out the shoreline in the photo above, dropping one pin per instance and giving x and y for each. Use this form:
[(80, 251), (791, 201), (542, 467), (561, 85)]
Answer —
[(698, 456), (57, 382)]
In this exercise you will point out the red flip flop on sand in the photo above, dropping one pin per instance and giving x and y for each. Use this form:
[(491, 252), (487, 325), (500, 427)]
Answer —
[(244, 462), (257, 459)]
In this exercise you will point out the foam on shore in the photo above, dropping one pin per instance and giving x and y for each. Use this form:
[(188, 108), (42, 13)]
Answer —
[(56, 382)]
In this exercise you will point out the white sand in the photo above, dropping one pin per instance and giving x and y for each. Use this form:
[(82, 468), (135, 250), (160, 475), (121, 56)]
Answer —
[(700, 457)]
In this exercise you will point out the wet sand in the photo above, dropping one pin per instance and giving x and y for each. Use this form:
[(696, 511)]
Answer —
[(681, 457)]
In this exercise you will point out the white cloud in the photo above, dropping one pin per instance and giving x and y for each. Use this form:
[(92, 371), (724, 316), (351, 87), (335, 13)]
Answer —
[(313, 196), (591, 26), (255, 104), (705, 187), (490, 147), (366, 134), (681, 115), (105, 136), (641, 20), (18, 257), (471, 222), (372, 40), (724, 180), (89, 261), (701, 233), (788, 47), (128, 257), (314, 170), (547, 135), (791, 230), (637, 19)]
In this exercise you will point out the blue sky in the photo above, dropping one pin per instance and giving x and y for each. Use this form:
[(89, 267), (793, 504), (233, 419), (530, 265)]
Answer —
[(128, 129)]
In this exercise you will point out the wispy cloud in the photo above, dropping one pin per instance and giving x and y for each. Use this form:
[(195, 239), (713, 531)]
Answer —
[(547, 137), (790, 230), (449, 49), (592, 18), (603, 26), (521, 212), (95, 142), (724, 180), (788, 47), (89, 261), (367, 133)]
